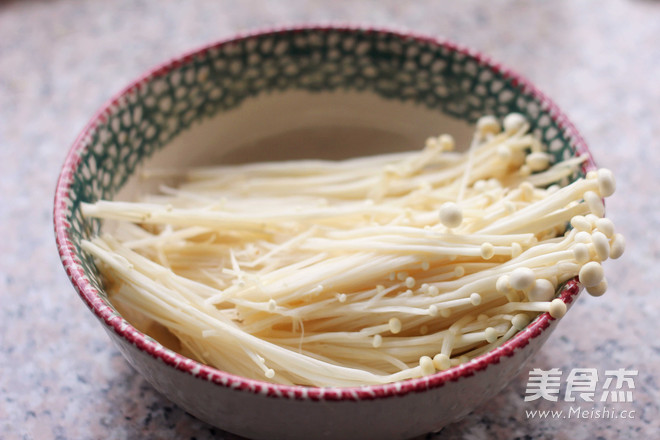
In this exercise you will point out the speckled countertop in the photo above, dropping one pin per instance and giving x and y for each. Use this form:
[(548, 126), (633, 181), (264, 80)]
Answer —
[(61, 59)]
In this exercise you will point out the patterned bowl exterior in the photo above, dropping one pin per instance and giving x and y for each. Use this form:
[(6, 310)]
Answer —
[(436, 74)]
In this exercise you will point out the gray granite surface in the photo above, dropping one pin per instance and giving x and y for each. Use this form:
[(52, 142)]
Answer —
[(61, 59)]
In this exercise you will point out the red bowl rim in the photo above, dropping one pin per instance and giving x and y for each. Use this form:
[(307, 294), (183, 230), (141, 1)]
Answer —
[(122, 328)]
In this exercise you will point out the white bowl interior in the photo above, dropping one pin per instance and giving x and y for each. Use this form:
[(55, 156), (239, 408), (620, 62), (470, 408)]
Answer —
[(302, 125)]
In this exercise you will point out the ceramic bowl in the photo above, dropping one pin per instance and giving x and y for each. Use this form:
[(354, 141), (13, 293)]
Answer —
[(308, 92)]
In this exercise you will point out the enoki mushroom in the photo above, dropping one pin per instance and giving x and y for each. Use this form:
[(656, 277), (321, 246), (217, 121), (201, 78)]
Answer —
[(362, 271)]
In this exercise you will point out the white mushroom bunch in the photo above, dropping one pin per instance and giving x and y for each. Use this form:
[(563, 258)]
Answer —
[(362, 271)]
